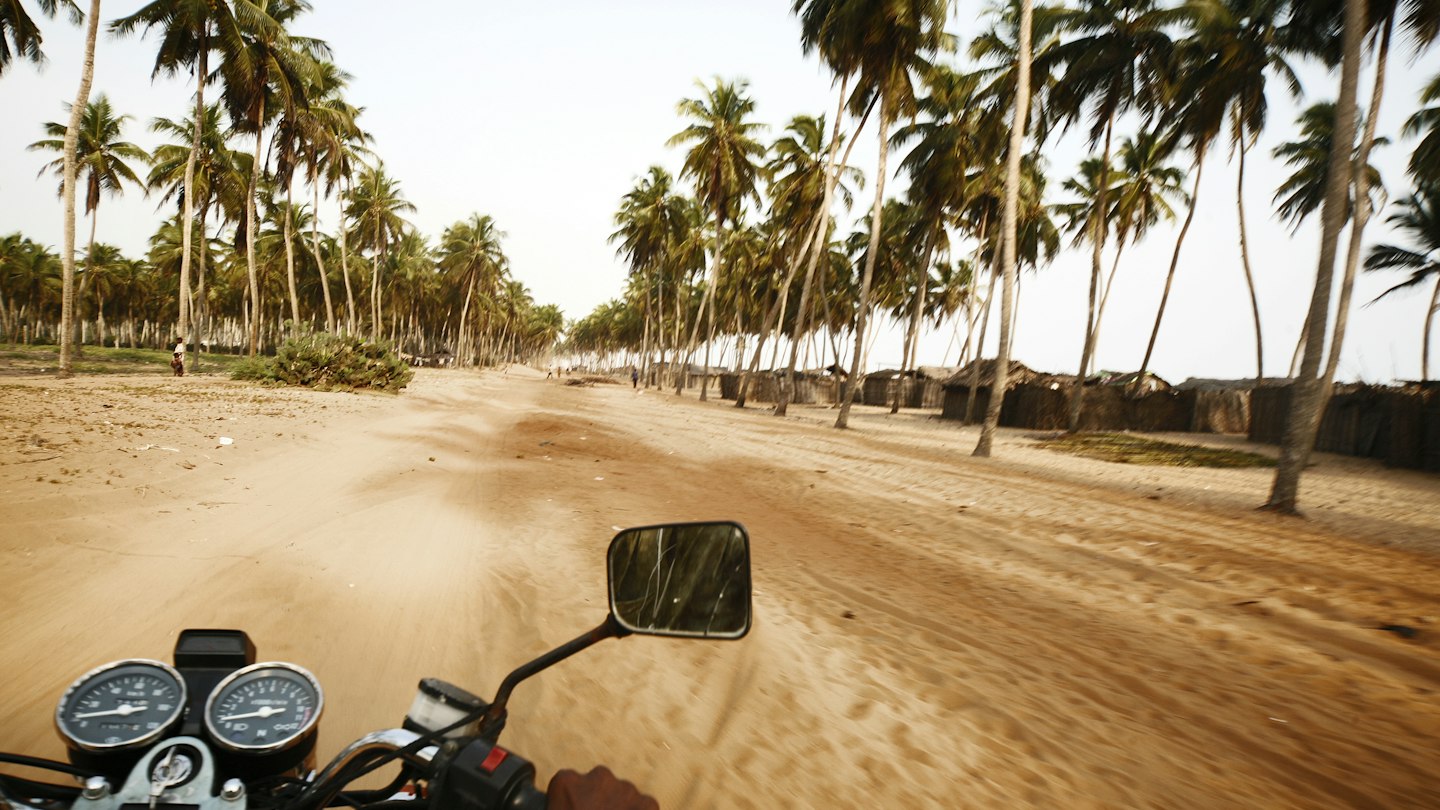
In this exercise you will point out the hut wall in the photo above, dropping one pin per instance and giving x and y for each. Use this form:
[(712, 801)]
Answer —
[(953, 406), (1220, 412), (877, 391), (1269, 408), (729, 386), (1402, 428)]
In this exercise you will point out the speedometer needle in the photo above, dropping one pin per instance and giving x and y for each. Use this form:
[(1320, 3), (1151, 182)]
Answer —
[(265, 711), (124, 711)]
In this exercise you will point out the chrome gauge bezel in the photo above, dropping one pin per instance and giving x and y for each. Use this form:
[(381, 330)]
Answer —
[(144, 740), (284, 744)]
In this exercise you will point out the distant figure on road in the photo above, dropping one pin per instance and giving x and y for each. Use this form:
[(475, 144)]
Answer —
[(634, 377)]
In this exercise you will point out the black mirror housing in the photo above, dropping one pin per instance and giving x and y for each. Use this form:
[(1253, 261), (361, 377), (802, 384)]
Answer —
[(685, 580)]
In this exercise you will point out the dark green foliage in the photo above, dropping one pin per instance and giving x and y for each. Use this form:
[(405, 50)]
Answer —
[(330, 363)]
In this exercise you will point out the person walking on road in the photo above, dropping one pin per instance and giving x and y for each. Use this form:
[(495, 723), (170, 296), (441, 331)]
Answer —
[(634, 377)]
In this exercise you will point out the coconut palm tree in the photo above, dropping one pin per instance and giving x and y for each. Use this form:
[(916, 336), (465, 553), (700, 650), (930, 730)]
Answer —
[(375, 206), (1417, 217), (806, 178), (650, 220), (1425, 124), (472, 258), (99, 153), (20, 36), (267, 68), (1010, 232), (329, 126), (880, 45), (1308, 391), (1120, 58), (188, 31), (1304, 190), (723, 161)]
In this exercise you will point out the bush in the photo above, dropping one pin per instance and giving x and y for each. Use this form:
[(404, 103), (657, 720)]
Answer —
[(329, 363)]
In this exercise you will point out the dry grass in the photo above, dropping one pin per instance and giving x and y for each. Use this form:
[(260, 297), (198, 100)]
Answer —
[(1122, 448)]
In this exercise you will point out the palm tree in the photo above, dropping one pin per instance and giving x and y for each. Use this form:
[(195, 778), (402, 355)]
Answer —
[(649, 222), (1308, 390), (1121, 58), (375, 205), (722, 161), (99, 153), (471, 256), (1009, 229), (265, 68), (880, 44), (329, 126), (807, 176), (23, 35), (188, 32), (1425, 123), (67, 192), (219, 177), (1418, 217)]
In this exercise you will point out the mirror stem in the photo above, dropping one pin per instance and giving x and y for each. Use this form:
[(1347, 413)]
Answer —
[(607, 629)]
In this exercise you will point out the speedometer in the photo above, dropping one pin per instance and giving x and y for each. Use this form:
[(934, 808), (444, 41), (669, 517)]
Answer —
[(264, 708), (120, 706)]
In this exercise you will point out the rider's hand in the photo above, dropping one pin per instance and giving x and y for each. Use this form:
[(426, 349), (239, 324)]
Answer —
[(596, 790)]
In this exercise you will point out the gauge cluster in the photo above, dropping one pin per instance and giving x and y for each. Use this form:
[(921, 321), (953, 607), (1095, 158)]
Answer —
[(262, 717)]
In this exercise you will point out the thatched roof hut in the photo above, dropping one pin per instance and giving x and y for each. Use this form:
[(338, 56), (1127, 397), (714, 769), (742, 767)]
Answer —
[(1019, 373)]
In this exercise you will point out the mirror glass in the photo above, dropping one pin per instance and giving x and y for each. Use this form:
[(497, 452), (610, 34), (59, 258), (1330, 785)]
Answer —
[(685, 579)]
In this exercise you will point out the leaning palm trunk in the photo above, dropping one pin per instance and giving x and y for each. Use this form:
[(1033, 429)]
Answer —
[(705, 299), (774, 315), (984, 317), (1174, 263), (290, 264), (999, 380), (1425, 338), (1362, 216), (820, 238), (376, 325), (250, 228), (912, 333), (186, 235), (1077, 394), (1307, 397), (72, 139), (872, 253), (320, 263), (350, 315), (1245, 262)]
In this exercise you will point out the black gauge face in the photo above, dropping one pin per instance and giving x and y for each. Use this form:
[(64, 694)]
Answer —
[(263, 708), (122, 705)]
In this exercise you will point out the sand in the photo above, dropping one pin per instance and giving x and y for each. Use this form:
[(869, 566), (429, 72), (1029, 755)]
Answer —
[(1035, 630)]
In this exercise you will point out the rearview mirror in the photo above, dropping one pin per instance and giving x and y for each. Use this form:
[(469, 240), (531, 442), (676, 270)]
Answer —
[(683, 579)]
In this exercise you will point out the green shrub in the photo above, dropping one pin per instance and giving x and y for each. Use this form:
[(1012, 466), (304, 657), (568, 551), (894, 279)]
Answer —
[(330, 362)]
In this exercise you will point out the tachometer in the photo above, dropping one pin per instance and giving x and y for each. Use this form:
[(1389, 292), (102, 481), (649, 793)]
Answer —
[(121, 706), (264, 708)]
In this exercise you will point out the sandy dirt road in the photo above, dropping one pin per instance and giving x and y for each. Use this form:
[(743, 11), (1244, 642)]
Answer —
[(931, 630)]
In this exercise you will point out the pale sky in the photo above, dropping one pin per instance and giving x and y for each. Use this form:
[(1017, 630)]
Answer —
[(543, 116)]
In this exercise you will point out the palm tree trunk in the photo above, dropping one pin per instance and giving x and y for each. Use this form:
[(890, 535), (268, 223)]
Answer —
[(186, 235), (1425, 339), (1174, 263), (777, 310), (1008, 235), (1098, 231), (72, 138), (980, 345), (1362, 214), (1104, 298), (201, 311), (912, 333), (1307, 392), (319, 262), (85, 280), (376, 326), (705, 301), (345, 266), (872, 253), (250, 230), (290, 262), (1245, 262)]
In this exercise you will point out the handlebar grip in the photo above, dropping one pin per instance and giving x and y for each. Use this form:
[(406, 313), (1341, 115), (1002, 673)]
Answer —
[(528, 797)]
